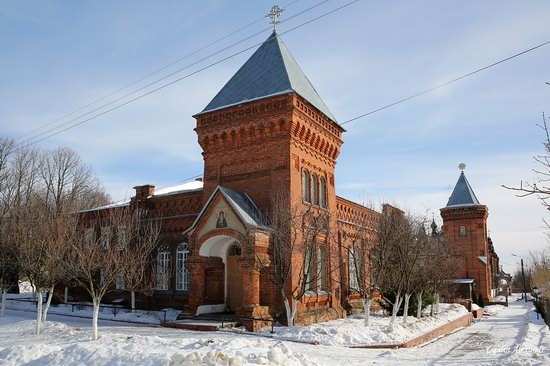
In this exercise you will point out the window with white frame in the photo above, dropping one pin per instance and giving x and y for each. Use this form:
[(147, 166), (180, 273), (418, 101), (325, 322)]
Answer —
[(89, 236), (121, 237), (182, 273), (163, 270), (105, 237)]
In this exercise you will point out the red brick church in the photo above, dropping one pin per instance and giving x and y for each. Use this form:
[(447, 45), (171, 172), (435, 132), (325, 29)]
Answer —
[(266, 130)]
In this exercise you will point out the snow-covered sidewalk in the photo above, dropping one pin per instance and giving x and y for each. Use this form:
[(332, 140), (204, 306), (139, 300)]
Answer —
[(514, 336)]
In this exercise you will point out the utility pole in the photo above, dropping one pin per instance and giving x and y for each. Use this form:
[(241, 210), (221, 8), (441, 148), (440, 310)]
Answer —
[(522, 275)]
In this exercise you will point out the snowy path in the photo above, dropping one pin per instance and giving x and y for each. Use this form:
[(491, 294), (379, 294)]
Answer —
[(492, 341)]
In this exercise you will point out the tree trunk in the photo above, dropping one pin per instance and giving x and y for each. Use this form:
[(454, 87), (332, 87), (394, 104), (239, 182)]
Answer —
[(3, 306), (406, 308), (290, 310), (395, 310), (366, 310), (419, 305), (95, 317), (48, 302), (38, 311), (437, 303), (133, 295), (66, 297)]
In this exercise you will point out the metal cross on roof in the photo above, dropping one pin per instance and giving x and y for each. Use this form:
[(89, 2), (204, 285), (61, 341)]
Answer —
[(274, 15), (462, 166)]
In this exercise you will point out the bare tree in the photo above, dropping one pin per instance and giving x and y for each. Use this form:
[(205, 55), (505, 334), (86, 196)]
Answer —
[(94, 262), (396, 235), (442, 267), (8, 265), (295, 263), (137, 237), (540, 187)]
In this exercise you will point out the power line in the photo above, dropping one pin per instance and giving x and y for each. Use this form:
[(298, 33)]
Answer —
[(181, 78), (164, 77), (151, 73), (445, 83)]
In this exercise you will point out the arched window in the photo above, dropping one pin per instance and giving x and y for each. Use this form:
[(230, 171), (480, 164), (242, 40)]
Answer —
[(182, 273), (305, 186), (163, 270), (314, 189), (462, 231), (322, 192)]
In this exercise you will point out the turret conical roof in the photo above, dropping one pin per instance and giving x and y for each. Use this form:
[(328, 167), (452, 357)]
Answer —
[(463, 194), (270, 71)]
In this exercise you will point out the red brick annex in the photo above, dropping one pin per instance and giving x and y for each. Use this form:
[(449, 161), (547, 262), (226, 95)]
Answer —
[(267, 130)]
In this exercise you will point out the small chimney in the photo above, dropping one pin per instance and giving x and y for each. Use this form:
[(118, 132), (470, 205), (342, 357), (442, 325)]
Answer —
[(144, 191)]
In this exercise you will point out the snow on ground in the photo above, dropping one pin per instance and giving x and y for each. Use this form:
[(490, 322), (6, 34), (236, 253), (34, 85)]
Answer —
[(491, 341), (351, 330), (60, 344), (499, 298), (140, 316), (493, 310)]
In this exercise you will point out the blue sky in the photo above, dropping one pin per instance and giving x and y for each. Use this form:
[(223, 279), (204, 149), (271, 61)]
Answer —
[(59, 55)]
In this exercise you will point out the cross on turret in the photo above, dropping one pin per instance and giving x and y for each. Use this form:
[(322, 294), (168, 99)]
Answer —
[(274, 15)]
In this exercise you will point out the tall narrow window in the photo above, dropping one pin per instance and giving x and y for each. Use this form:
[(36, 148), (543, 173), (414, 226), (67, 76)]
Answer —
[(321, 268), (353, 267), (119, 282), (89, 237), (163, 270), (305, 186), (121, 238), (322, 192), (308, 270), (182, 273), (462, 231), (105, 237), (314, 190)]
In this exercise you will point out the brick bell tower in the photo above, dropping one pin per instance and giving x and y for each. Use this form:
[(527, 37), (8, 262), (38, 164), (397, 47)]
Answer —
[(465, 225), (265, 126)]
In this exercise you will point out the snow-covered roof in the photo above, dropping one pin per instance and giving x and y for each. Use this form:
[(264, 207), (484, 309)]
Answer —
[(110, 205), (462, 280), (180, 188)]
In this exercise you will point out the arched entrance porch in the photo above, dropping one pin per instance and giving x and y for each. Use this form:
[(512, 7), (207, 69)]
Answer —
[(229, 250)]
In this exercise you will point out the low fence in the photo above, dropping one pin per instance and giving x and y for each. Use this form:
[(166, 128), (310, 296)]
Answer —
[(115, 309)]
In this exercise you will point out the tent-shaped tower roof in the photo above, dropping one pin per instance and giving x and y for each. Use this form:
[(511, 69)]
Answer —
[(270, 71), (463, 194)]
